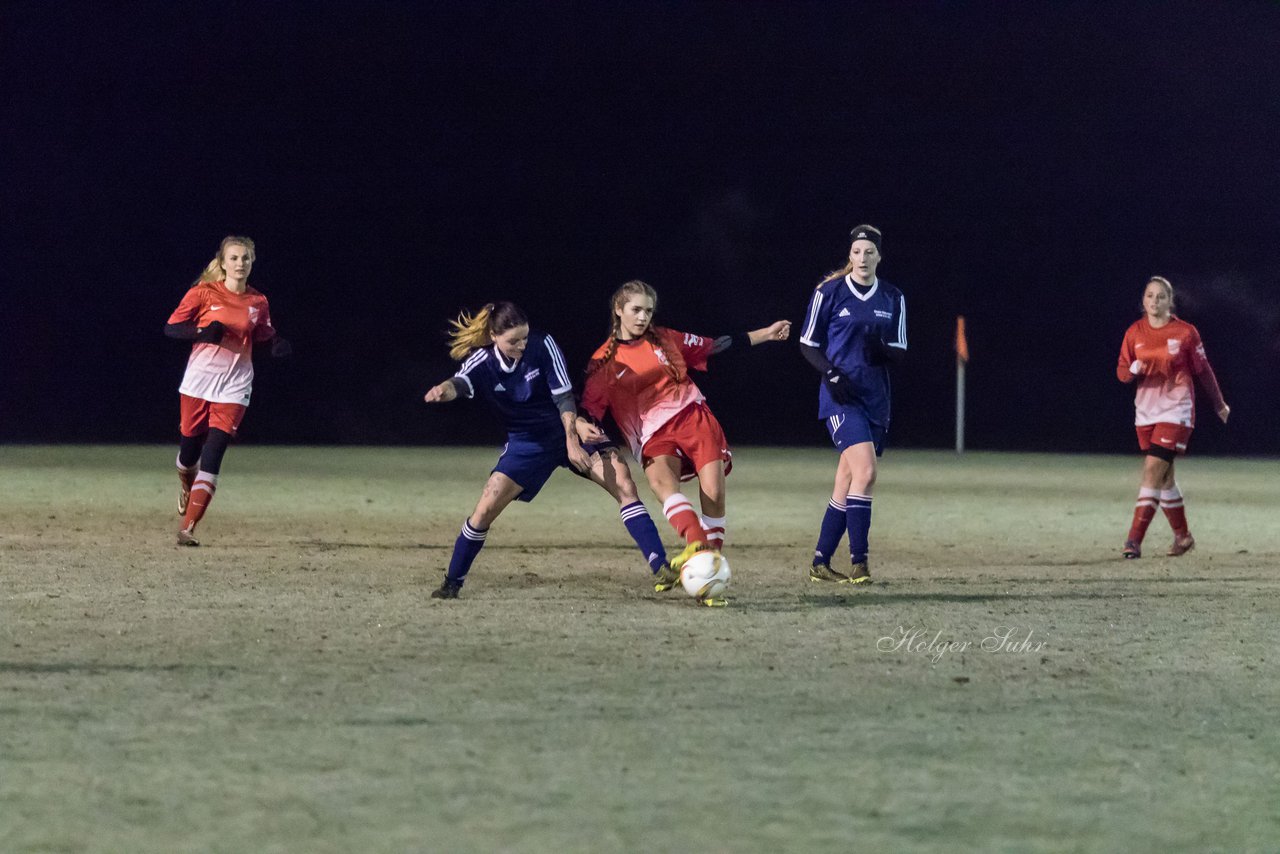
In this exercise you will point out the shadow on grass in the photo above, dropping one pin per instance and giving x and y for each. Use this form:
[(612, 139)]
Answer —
[(97, 669)]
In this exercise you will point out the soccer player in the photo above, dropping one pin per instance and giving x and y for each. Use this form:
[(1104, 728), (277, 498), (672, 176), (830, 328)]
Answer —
[(223, 316), (641, 375), (1161, 353), (855, 327), (520, 373)]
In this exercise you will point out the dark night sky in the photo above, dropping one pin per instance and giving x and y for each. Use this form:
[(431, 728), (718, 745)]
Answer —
[(1029, 163)]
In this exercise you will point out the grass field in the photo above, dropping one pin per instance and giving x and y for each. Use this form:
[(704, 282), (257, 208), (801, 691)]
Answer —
[(289, 686)]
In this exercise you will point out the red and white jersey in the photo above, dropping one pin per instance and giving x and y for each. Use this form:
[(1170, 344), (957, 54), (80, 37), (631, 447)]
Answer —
[(223, 372), (1173, 354), (636, 386)]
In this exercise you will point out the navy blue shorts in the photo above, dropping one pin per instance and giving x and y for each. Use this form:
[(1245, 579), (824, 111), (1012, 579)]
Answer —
[(531, 458), (850, 427)]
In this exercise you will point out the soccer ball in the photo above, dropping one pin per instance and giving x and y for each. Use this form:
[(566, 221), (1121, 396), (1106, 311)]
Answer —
[(705, 575)]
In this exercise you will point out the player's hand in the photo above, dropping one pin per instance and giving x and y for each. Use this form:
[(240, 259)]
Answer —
[(779, 330), (212, 333), (589, 433), (841, 390), (578, 457), (1224, 412), (442, 393), (280, 347), (1138, 368)]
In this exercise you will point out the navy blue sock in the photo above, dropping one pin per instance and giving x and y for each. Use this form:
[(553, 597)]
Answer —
[(857, 514), (833, 525), (641, 528), (465, 549)]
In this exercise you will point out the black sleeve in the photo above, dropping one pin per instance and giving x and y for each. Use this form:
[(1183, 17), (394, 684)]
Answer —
[(564, 402), (724, 342), (181, 331), (815, 357), (880, 353)]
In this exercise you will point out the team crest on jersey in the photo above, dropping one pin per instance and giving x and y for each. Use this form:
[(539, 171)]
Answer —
[(253, 315), (884, 314), (1175, 345), (533, 373), (662, 357)]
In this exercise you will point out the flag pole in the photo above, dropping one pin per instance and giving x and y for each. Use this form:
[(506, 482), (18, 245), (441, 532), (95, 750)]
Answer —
[(962, 358)]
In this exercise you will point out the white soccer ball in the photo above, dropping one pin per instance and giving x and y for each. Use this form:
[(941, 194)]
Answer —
[(705, 575)]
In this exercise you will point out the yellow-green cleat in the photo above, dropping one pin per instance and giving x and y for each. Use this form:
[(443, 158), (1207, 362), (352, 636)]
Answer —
[(666, 578), (689, 551), (859, 574), (824, 572), (714, 602)]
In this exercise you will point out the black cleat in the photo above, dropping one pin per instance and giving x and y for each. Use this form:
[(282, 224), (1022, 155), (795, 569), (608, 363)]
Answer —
[(448, 589)]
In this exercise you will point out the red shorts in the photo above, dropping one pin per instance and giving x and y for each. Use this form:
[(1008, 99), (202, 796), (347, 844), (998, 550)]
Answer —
[(1171, 437), (695, 437), (197, 416)]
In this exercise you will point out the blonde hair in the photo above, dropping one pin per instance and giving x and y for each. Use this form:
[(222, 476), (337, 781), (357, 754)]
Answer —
[(848, 264), (215, 270), (473, 331), (675, 364)]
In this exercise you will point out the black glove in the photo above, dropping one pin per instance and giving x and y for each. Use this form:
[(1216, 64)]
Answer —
[(841, 390), (280, 347), (212, 333)]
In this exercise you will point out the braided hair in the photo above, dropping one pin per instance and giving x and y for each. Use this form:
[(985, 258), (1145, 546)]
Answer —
[(674, 362)]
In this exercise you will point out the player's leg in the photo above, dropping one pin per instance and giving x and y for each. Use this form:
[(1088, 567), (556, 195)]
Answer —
[(711, 498), (860, 462), (193, 426), (1155, 467), (663, 473), (499, 491), (1171, 502), (611, 472), (832, 528), (205, 483)]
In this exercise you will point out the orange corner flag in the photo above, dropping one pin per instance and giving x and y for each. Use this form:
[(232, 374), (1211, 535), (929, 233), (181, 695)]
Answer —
[(962, 342)]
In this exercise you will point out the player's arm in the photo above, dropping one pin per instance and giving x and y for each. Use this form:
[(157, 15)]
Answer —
[(561, 388), (779, 330), (839, 386), (451, 389), (1128, 368), (184, 323), (1208, 379)]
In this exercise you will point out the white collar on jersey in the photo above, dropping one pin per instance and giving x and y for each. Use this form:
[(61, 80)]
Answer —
[(857, 291), (502, 363)]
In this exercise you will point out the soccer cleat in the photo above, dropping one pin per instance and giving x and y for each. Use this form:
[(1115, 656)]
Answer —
[(824, 572), (448, 589), (859, 574), (713, 601), (689, 551), (666, 578), (1181, 545), (187, 537), (1132, 550)]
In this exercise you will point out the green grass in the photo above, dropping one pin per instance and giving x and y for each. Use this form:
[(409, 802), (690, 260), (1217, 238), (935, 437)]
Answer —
[(289, 686)]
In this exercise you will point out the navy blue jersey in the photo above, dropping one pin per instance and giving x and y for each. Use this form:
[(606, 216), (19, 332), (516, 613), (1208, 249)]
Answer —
[(520, 392), (841, 319)]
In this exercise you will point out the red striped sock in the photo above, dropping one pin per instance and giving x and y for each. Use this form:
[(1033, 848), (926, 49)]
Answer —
[(1143, 512), (1171, 503), (680, 514), (201, 494), (715, 531)]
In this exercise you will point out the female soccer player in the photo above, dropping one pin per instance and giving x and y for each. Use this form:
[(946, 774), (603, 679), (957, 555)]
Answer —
[(520, 373), (641, 375), (223, 316), (1162, 352), (855, 327)]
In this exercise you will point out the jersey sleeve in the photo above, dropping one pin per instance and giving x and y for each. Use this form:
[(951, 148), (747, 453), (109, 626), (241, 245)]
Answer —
[(1204, 371), (595, 394), (463, 376), (189, 308), (694, 348), (556, 372), (816, 318), (263, 330), (897, 336), (1127, 358)]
